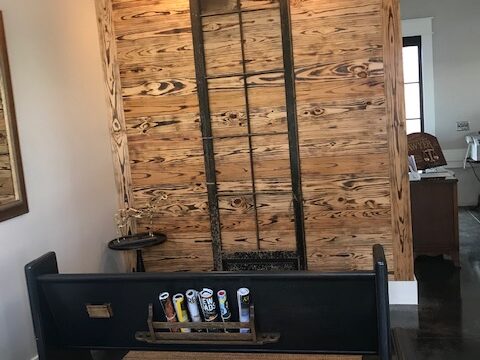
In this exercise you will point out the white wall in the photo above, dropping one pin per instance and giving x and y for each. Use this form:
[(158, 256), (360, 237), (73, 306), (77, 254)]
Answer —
[(456, 56), (62, 120)]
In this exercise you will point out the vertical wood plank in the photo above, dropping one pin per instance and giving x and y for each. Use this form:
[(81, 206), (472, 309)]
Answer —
[(116, 122), (397, 144)]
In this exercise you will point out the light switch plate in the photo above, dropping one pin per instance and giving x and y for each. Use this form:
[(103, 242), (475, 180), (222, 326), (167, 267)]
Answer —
[(463, 126)]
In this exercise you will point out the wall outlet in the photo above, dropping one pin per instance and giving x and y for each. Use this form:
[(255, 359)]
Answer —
[(463, 126)]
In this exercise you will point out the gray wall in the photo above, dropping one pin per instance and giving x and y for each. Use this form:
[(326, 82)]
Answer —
[(456, 56)]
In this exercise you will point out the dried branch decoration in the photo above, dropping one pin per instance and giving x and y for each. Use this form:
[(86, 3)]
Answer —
[(123, 216)]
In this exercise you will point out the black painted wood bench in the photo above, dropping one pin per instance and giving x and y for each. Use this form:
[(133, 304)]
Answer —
[(313, 313)]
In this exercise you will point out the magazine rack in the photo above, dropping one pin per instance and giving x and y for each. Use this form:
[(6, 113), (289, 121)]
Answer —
[(207, 336)]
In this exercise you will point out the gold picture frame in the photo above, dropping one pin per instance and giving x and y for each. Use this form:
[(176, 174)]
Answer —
[(13, 197)]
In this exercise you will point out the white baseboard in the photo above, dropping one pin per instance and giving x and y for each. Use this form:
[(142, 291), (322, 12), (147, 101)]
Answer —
[(403, 292)]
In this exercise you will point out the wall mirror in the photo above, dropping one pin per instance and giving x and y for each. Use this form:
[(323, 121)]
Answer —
[(13, 200)]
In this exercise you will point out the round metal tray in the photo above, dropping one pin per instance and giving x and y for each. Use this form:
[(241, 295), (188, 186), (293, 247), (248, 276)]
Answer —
[(137, 241)]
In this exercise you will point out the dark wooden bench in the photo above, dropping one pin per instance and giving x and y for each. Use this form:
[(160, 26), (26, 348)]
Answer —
[(313, 313)]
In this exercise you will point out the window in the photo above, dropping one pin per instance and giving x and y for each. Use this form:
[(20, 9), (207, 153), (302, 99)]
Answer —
[(412, 69)]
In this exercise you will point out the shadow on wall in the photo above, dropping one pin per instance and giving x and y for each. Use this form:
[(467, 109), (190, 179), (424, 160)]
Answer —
[(468, 186), (112, 261)]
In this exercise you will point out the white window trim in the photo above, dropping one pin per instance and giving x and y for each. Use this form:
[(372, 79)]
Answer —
[(423, 27)]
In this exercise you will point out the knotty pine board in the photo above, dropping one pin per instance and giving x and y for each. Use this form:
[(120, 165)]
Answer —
[(267, 104), (157, 72), (397, 145), (342, 130), (116, 122), (267, 112), (349, 113)]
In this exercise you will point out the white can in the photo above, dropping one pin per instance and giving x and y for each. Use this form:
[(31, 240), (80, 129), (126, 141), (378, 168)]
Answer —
[(243, 299)]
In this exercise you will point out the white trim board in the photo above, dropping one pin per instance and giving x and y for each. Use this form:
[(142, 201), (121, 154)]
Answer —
[(423, 27), (403, 292)]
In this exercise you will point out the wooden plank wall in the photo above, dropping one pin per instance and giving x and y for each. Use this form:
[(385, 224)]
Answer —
[(350, 118), (338, 52), (249, 125), (157, 75)]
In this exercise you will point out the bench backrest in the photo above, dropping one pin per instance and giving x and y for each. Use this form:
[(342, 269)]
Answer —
[(318, 313)]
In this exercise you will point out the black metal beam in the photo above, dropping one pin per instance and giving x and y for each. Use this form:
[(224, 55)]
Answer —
[(293, 132), (209, 153), (383, 308), (249, 126)]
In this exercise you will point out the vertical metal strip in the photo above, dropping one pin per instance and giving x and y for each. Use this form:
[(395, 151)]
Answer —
[(249, 127), (293, 131), (202, 89), (383, 308)]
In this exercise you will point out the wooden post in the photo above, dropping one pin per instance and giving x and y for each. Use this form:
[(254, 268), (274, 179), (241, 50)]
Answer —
[(397, 142)]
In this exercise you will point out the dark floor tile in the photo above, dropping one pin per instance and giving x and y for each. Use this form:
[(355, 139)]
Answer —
[(448, 324)]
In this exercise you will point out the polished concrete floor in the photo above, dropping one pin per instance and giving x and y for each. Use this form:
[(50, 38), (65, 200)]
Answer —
[(447, 325)]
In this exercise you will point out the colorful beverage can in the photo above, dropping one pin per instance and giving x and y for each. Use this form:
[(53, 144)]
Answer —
[(192, 303), (181, 310), (243, 299), (208, 306), (168, 309), (224, 309)]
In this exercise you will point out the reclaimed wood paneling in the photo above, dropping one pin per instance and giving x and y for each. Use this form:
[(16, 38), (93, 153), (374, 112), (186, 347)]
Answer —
[(344, 132), (263, 40), (227, 106), (108, 46), (350, 121), (223, 46), (218, 6), (162, 125), (276, 222), (397, 149), (267, 101)]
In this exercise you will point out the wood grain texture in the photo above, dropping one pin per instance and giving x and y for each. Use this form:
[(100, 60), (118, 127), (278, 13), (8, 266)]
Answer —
[(263, 40), (153, 61), (348, 97), (342, 120), (223, 49), (398, 149), (337, 30), (218, 6), (117, 117), (116, 123), (229, 356)]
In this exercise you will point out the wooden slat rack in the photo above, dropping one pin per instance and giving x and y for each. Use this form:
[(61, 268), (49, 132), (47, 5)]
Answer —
[(204, 338)]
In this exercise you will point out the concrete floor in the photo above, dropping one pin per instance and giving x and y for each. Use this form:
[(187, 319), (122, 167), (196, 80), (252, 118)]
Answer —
[(447, 325)]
